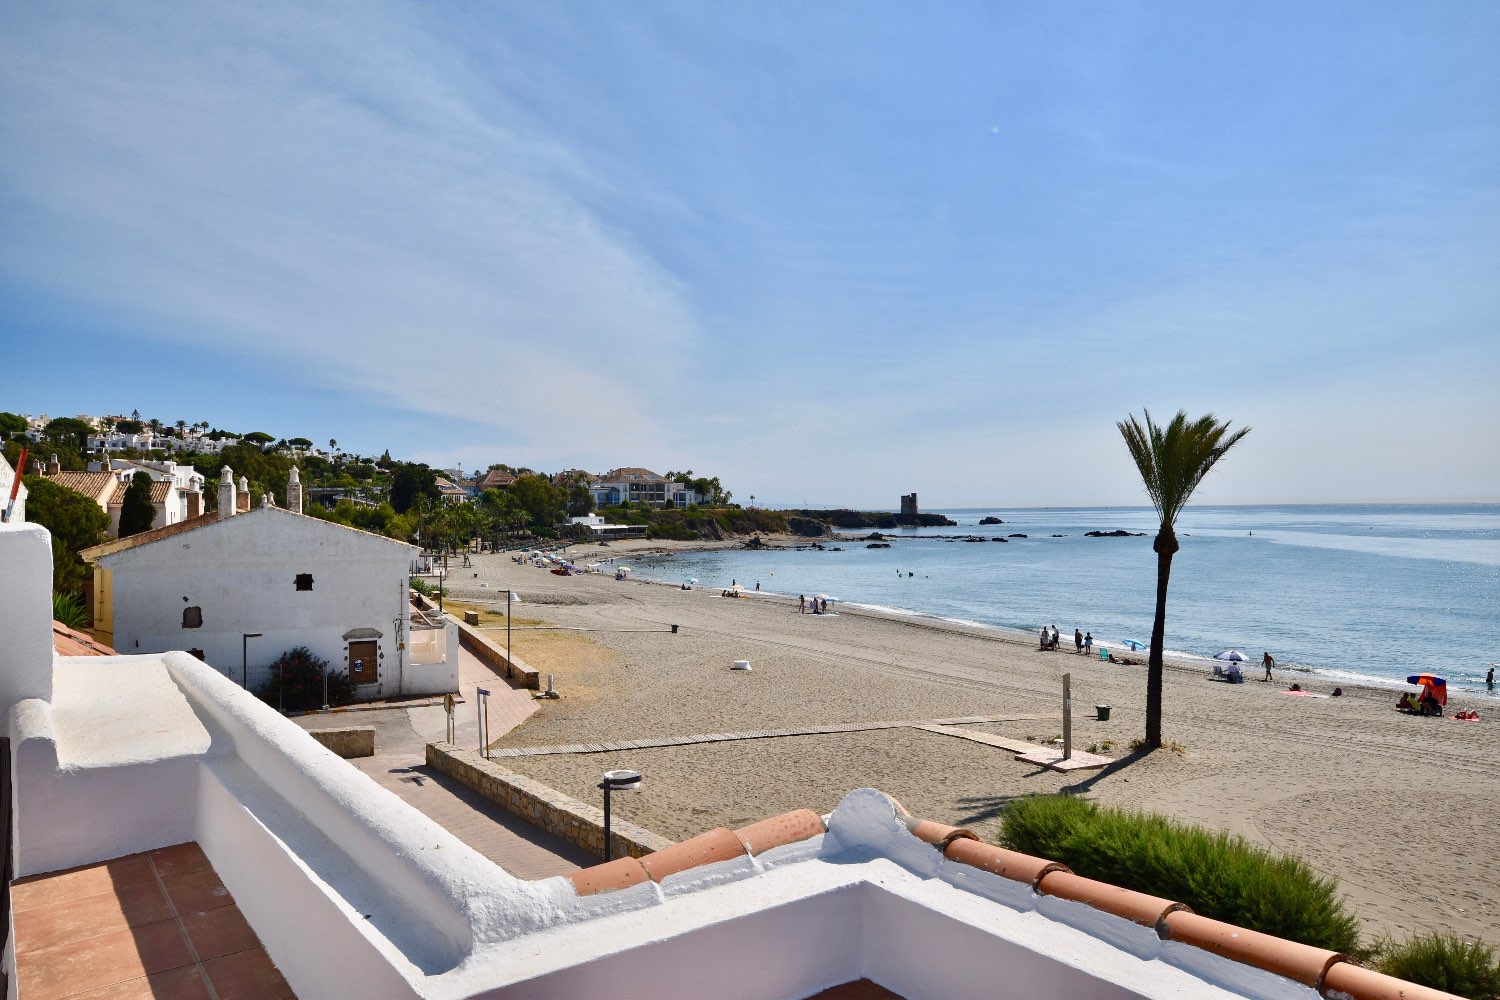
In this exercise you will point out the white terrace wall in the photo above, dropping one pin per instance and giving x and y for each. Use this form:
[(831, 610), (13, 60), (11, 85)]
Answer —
[(240, 573)]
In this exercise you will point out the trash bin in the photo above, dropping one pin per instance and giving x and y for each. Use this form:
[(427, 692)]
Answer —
[(1103, 711)]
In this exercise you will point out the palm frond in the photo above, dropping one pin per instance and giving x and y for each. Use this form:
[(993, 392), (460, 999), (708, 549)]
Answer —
[(1174, 458)]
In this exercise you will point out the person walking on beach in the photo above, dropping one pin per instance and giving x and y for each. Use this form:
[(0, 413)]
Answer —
[(1088, 643), (1267, 661), (1077, 641), (1045, 643), (1054, 637), (802, 604)]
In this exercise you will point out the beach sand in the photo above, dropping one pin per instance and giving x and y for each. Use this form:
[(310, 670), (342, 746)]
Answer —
[(1402, 810)]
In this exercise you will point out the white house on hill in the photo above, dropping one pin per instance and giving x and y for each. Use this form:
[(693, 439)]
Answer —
[(237, 588)]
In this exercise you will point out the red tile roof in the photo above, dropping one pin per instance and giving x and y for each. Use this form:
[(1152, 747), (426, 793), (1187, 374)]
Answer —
[(155, 534), (1331, 973), (67, 642), (161, 492), (98, 486)]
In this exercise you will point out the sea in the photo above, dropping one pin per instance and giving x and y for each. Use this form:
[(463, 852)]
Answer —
[(1354, 592)]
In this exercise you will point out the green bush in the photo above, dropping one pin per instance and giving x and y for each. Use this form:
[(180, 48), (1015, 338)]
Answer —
[(1219, 875), (302, 674), (1443, 962), (69, 609)]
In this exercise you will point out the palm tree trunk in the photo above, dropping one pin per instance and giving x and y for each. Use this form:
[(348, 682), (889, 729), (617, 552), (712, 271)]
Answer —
[(1166, 546)]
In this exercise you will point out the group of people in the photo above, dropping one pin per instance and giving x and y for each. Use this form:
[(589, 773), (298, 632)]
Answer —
[(1083, 642), (819, 606)]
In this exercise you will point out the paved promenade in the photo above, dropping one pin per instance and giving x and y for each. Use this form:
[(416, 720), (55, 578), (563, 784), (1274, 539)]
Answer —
[(399, 764)]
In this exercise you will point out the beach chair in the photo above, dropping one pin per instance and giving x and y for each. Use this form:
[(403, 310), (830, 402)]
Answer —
[(1103, 653)]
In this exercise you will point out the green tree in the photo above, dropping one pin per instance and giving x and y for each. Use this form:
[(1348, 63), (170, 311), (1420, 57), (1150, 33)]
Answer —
[(1172, 461), (409, 482), (259, 438), (542, 501), (137, 512), (69, 430), (75, 521), (580, 500), (182, 428), (131, 426), (11, 423)]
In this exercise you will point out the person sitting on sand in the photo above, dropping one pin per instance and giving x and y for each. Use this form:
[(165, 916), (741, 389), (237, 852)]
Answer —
[(1295, 687), (1045, 639), (1338, 692)]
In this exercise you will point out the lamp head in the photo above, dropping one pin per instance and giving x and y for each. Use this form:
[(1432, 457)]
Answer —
[(623, 780)]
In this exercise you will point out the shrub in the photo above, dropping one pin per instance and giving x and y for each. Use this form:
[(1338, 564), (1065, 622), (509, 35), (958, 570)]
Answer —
[(1443, 962), (421, 586), (302, 674), (1219, 875), (69, 609)]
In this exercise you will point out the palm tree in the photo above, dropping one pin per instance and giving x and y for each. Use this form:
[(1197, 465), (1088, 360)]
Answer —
[(1172, 461)]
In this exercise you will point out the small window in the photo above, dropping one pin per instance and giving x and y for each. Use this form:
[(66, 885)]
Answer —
[(192, 617), (304, 581), (196, 652)]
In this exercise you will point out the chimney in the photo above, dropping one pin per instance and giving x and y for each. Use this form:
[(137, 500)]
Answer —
[(242, 501), (53, 465), (294, 492), (226, 493), (265, 500)]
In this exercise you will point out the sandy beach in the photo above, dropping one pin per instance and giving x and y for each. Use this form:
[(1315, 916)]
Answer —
[(1402, 810)]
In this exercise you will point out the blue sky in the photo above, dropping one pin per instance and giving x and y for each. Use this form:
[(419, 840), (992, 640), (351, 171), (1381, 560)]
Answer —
[(832, 253)]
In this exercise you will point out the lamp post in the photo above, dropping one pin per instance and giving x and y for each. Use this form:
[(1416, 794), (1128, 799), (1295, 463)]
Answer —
[(511, 597), (245, 638), (616, 781)]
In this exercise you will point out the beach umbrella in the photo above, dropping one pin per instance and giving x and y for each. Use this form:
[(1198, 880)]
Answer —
[(1431, 684), (1133, 644), (1230, 654)]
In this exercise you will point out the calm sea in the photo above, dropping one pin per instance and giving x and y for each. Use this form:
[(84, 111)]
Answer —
[(1358, 592)]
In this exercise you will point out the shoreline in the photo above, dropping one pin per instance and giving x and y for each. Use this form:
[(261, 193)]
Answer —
[(1333, 675)]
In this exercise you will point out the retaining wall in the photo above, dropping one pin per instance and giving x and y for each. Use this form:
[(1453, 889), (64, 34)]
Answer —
[(542, 806), (351, 741), (514, 667)]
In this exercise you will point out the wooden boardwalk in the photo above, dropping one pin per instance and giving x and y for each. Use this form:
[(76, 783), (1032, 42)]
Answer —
[(937, 725)]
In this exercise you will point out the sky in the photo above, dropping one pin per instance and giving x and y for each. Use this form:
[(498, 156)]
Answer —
[(831, 253)]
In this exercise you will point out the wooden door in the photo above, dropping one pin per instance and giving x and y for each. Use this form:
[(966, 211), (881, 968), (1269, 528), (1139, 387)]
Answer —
[(363, 668)]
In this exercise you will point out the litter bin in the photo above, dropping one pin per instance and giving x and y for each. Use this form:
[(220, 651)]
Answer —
[(1103, 711)]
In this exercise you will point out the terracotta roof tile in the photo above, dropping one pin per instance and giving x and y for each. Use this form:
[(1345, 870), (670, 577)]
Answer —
[(704, 849), (621, 873), (1149, 911), (1348, 979), (788, 828), (1013, 865), (1301, 962), (68, 642), (161, 492), (90, 484)]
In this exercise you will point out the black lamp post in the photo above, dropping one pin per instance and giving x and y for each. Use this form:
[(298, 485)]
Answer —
[(616, 781), (245, 638)]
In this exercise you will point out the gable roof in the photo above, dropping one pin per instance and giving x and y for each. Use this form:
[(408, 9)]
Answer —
[(98, 486), (212, 518), (161, 492), (496, 479), (634, 474)]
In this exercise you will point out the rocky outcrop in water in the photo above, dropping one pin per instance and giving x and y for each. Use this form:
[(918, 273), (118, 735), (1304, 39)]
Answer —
[(1117, 533)]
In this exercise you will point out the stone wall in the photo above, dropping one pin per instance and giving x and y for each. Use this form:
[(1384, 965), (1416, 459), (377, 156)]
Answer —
[(515, 668), (560, 815), (350, 741)]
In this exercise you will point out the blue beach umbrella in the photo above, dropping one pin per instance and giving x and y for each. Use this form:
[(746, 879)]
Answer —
[(1230, 654), (1133, 644)]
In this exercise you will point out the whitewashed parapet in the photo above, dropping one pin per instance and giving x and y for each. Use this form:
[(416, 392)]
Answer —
[(541, 805)]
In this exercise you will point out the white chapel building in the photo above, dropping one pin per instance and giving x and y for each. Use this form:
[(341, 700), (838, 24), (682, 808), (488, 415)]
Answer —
[(240, 586)]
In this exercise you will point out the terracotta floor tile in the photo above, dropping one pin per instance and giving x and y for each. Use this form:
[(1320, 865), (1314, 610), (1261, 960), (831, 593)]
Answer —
[(180, 859), (75, 883), (103, 961), (218, 932), (89, 916), (179, 984), (197, 891), (246, 975)]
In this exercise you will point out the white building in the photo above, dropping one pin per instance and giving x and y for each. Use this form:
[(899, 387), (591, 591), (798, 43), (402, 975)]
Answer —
[(283, 579), (8, 478), (156, 771), (637, 485)]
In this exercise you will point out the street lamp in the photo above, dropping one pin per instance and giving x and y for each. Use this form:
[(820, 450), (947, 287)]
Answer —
[(511, 597), (616, 781), (245, 638)]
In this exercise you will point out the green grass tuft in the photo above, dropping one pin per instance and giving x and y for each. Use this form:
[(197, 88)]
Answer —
[(1219, 875), (1443, 962)]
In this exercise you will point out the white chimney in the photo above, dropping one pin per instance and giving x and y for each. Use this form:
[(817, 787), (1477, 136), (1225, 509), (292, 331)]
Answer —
[(294, 491), (242, 501), (226, 493)]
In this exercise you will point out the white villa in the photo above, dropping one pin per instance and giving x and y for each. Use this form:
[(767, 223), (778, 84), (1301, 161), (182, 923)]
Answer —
[(239, 587), (155, 776)]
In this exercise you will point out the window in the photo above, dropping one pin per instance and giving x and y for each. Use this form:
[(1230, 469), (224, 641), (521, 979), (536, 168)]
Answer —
[(304, 581), (192, 617)]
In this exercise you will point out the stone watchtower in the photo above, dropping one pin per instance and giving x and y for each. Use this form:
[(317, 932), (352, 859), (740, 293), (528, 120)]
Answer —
[(909, 505)]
